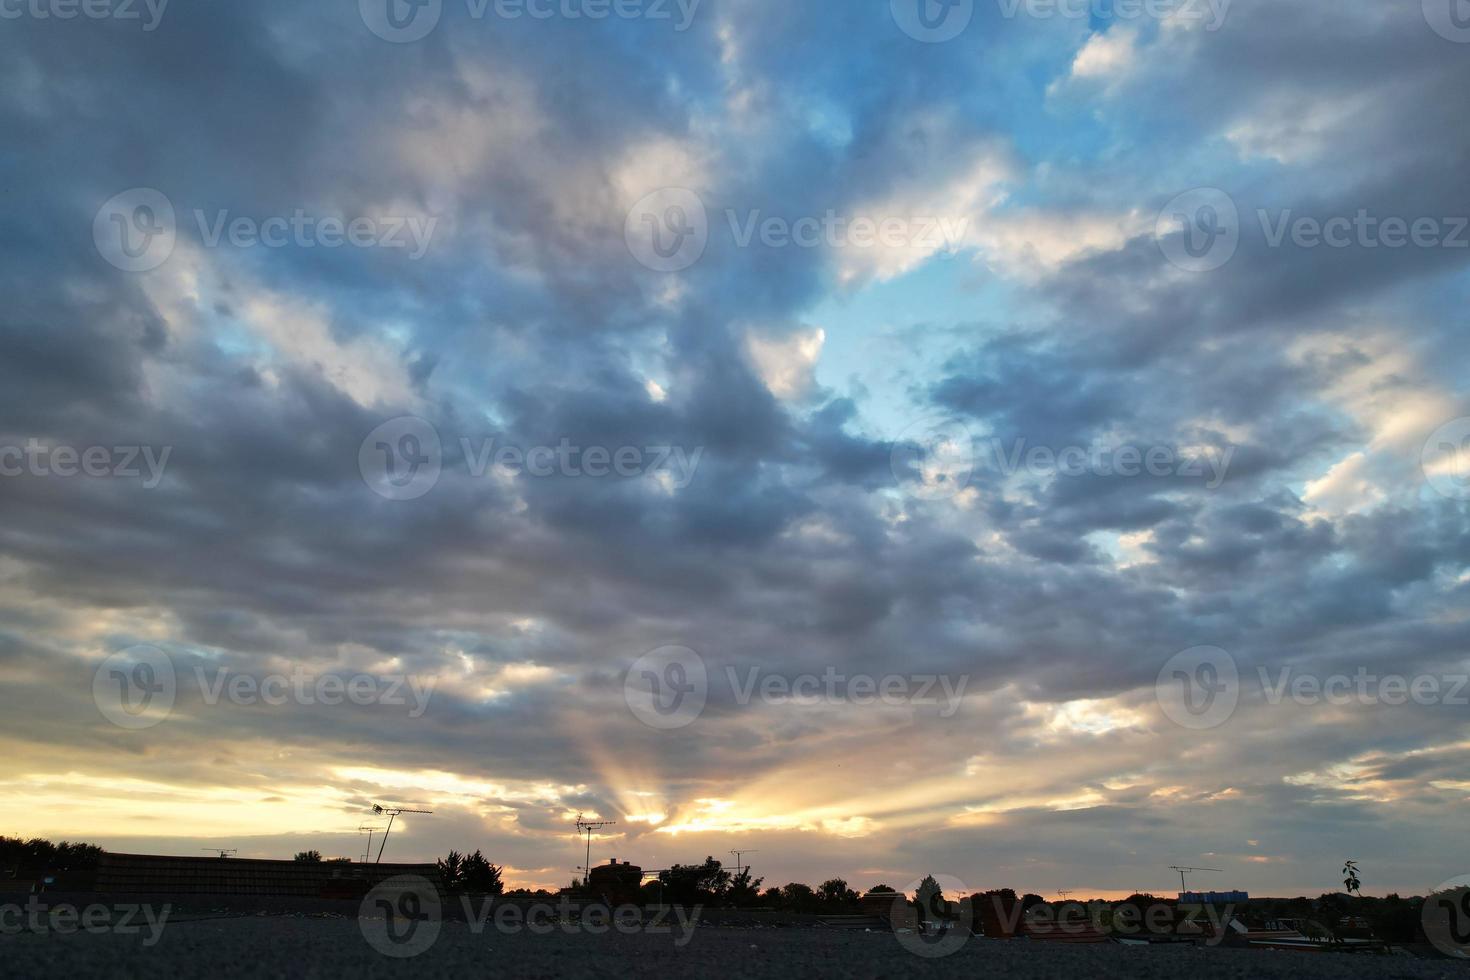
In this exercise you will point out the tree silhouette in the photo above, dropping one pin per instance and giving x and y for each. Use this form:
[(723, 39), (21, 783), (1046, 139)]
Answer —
[(480, 876), (470, 873), (929, 900), (309, 857), (834, 892), (1350, 878), (696, 884), (744, 891), (451, 871), (799, 897), (36, 855)]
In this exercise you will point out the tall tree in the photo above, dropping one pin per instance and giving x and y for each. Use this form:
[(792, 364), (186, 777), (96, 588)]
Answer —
[(834, 892), (481, 877), (451, 871), (696, 884), (744, 891)]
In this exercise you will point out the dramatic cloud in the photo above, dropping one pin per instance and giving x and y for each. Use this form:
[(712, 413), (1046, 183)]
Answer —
[(472, 367)]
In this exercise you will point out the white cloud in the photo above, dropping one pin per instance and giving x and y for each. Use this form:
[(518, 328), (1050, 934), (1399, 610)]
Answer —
[(1107, 59), (1030, 244), (786, 364), (365, 368)]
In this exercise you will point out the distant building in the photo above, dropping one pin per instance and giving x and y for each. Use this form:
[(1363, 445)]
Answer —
[(1213, 898), (141, 874), (616, 882)]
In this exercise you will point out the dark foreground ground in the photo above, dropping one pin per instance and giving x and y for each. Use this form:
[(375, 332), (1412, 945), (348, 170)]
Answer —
[(296, 946)]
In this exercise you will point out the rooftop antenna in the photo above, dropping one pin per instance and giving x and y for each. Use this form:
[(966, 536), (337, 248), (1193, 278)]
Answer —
[(369, 829), (1064, 892), (1184, 871), (587, 827), (222, 852), (393, 812), (737, 853)]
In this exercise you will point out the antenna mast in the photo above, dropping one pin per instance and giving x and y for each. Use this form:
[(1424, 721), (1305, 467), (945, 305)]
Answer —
[(393, 812), (1184, 871), (369, 829), (587, 827), (737, 853)]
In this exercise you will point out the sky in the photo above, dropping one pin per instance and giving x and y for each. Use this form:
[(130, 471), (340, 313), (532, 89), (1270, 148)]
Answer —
[(1026, 441)]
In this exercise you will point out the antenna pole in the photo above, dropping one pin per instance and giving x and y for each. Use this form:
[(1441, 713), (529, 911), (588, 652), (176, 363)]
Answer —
[(737, 853), (1183, 871), (392, 811), (384, 843), (368, 851), (587, 827)]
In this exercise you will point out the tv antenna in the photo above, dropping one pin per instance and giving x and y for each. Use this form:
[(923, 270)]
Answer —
[(737, 853), (222, 852), (1064, 892), (393, 812), (587, 827), (1184, 871), (369, 829)]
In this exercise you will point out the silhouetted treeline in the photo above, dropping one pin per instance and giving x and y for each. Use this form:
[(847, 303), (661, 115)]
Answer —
[(470, 874), (36, 857), (711, 884), (1393, 919)]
